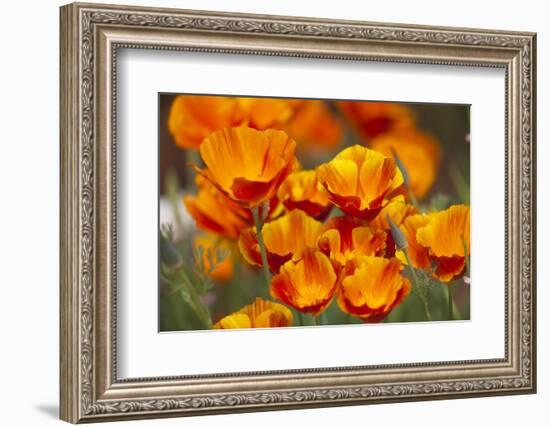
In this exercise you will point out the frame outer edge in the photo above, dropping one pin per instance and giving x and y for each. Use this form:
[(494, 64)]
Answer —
[(69, 225), (78, 224), (533, 208)]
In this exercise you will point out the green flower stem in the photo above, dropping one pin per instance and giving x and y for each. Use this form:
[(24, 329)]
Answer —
[(172, 191), (459, 182), (316, 320), (322, 318), (420, 292), (450, 301), (181, 283), (259, 225)]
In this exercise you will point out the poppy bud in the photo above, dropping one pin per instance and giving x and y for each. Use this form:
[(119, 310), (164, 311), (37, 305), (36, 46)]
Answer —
[(398, 236), (401, 167), (169, 254)]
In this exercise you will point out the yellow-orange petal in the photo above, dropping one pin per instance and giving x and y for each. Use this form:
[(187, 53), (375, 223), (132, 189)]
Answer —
[(234, 321), (192, 118), (360, 181), (379, 176), (259, 314), (448, 253), (418, 254), (315, 125), (263, 113), (397, 210), (419, 153), (447, 233), (375, 118), (216, 213), (339, 176), (344, 238), (248, 165), (308, 284), (285, 238), (301, 190), (373, 289), (449, 268), (292, 233)]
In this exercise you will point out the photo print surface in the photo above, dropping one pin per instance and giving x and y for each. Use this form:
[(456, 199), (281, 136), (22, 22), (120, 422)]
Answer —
[(277, 212)]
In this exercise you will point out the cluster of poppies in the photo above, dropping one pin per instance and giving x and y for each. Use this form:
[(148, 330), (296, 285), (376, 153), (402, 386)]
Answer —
[(344, 229)]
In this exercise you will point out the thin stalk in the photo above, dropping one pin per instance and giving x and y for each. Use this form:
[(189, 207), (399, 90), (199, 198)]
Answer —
[(172, 191), (259, 225), (316, 320), (459, 182), (450, 301), (322, 318), (419, 292)]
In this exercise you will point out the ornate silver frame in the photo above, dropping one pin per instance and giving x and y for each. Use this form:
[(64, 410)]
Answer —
[(90, 36)]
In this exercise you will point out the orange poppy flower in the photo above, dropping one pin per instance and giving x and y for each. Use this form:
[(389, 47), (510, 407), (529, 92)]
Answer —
[(360, 181), (417, 253), (347, 237), (397, 210), (419, 153), (375, 118), (246, 164), (216, 213), (439, 238), (307, 284), (447, 237), (264, 113), (260, 314), (285, 238), (193, 118), (301, 190), (314, 124), (211, 247), (372, 287)]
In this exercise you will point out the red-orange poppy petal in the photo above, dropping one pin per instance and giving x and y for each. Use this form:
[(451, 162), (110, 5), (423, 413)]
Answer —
[(418, 254), (259, 314), (285, 238), (419, 153), (448, 253), (308, 285), (454, 224), (249, 247), (250, 250), (264, 113), (397, 210), (302, 190), (449, 268), (246, 164), (314, 124), (375, 118), (372, 288), (192, 118), (252, 191), (214, 212), (360, 181), (347, 237)]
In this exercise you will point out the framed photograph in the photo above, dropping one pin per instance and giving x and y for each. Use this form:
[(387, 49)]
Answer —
[(265, 212)]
